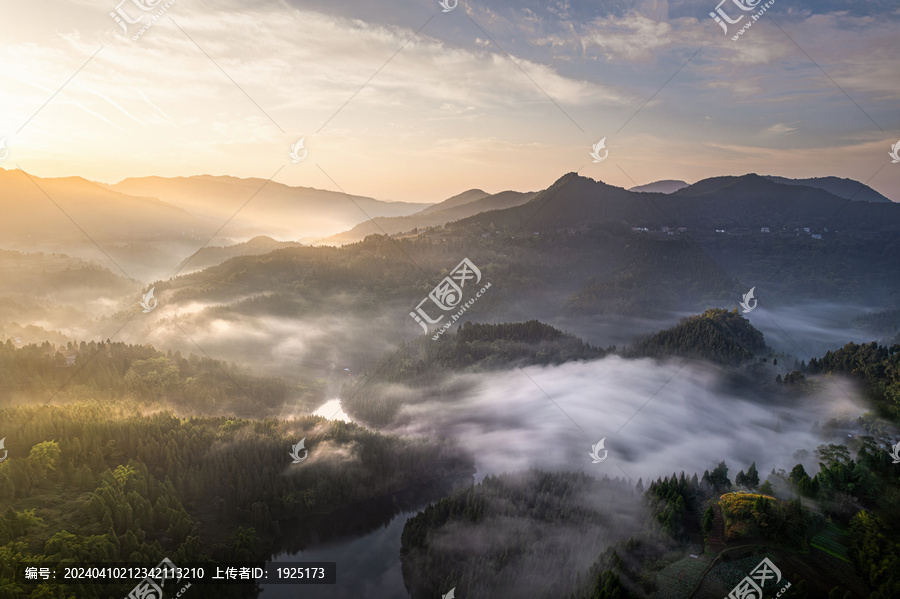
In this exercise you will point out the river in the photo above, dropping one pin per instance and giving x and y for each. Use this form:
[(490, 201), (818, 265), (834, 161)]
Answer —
[(364, 540)]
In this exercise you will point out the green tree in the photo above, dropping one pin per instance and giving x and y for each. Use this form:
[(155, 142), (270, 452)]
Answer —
[(752, 476), (797, 473), (42, 458), (243, 543), (719, 478), (708, 517)]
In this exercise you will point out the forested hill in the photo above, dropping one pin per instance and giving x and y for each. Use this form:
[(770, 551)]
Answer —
[(717, 335), (486, 346), (425, 363)]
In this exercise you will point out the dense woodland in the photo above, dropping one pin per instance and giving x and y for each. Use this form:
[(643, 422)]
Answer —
[(653, 275), (194, 385), (790, 267), (107, 479)]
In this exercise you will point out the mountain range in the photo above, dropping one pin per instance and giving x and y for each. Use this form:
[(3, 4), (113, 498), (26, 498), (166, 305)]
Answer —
[(719, 203), (577, 249), (842, 188)]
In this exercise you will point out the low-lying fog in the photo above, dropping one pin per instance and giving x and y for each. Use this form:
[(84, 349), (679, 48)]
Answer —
[(809, 330), (656, 417), (282, 344)]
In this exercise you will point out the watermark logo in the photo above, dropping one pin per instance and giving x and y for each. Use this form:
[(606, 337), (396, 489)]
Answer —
[(447, 8), (748, 297), (452, 593), (894, 454), (295, 451), (595, 153), (894, 153), (149, 302), (6, 451), (4, 153), (724, 20), (296, 149), (752, 586), (447, 295), (595, 451), (151, 587), (124, 19)]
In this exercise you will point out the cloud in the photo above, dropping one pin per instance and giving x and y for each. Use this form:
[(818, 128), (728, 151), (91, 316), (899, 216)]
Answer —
[(634, 38), (780, 128)]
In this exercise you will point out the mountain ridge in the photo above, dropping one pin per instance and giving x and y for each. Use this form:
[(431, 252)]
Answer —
[(747, 202), (256, 206), (423, 219)]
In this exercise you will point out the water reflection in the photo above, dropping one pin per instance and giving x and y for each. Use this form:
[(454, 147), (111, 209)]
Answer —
[(363, 540)]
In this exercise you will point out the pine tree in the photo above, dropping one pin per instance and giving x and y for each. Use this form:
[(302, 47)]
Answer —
[(752, 476), (708, 517)]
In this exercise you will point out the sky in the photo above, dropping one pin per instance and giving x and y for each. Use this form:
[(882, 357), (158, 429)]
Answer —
[(403, 101)]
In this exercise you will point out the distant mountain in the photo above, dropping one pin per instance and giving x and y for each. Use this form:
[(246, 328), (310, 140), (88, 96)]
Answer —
[(664, 186), (717, 335), (432, 218), (457, 200), (842, 188), (41, 211), (746, 202), (260, 207), (211, 256)]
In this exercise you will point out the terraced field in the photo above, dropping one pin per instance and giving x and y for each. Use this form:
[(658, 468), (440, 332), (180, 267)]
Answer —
[(678, 579), (831, 540)]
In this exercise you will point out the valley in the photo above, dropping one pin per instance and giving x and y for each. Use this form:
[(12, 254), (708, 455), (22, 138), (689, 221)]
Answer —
[(315, 342)]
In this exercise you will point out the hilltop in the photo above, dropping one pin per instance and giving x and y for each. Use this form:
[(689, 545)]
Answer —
[(716, 335)]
